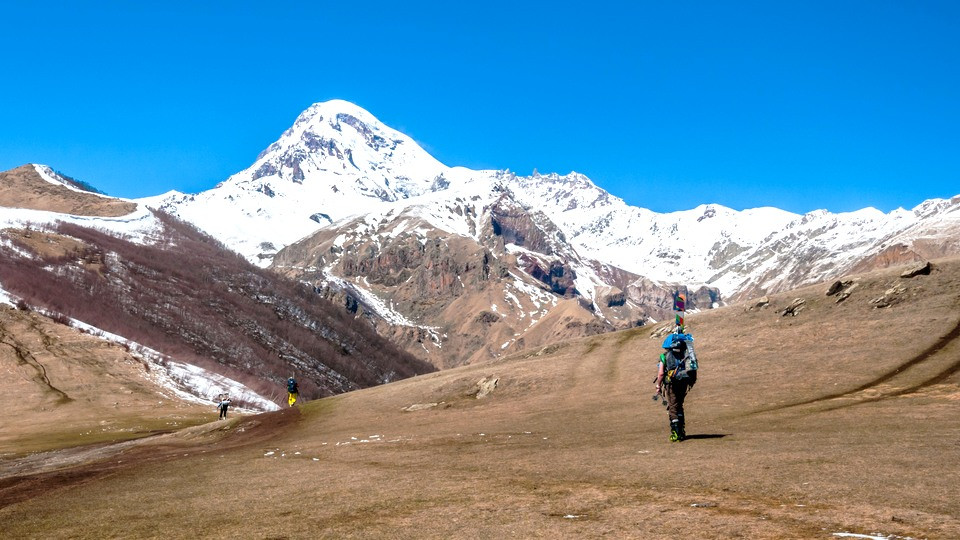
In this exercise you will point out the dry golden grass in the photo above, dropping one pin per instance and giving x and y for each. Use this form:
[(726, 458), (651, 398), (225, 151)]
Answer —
[(63, 388), (22, 187), (570, 444)]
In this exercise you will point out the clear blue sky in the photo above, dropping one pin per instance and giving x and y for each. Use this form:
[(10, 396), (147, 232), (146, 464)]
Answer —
[(799, 105)]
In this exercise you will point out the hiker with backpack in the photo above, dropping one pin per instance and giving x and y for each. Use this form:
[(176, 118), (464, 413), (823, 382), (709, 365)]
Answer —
[(676, 375), (293, 392), (223, 405)]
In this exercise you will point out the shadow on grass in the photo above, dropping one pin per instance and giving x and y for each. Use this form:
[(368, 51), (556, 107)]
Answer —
[(707, 436)]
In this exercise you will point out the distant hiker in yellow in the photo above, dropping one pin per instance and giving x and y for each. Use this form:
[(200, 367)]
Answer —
[(293, 393), (223, 405), (676, 374)]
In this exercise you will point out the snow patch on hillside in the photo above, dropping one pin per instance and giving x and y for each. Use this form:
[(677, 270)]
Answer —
[(49, 175), (16, 249), (140, 226), (5, 297), (187, 382), (872, 536)]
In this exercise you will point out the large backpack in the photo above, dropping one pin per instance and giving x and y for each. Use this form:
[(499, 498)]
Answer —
[(684, 367)]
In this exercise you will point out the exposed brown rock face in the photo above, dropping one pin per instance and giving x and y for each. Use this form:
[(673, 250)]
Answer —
[(922, 269), (327, 146), (556, 275), (794, 308), (615, 299), (842, 289), (452, 299), (517, 227), (892, 256), (487, 317), (23, 187), (444, 283), (423, 270), (657, 298)]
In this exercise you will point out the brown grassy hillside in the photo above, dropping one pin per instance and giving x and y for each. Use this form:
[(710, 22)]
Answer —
[(23, 187), (840, 418), (63, 388)]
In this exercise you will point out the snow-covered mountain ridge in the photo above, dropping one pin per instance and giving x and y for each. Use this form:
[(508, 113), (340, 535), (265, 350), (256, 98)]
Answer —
[(338, 161), (458, 264)]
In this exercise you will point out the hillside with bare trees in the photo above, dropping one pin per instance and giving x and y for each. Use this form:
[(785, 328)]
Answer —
[(189, 298)]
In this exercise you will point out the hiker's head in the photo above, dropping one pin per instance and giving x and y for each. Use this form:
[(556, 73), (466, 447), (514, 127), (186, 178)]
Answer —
[(678, 346)]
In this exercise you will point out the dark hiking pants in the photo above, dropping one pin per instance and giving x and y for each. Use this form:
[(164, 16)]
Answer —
[(676, 392), (223, 412)]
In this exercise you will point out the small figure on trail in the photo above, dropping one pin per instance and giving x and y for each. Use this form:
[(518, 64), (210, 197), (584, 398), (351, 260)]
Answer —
[(676, 374), (223, 405), (293, 393)]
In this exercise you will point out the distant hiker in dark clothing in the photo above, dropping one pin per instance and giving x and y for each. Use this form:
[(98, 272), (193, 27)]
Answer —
[(676, 374), (223, 405), (293, 393)]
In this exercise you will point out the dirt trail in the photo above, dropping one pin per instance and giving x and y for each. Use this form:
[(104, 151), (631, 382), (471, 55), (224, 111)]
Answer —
[(940, 350), (951, 355), (38, 474), (25, 358)]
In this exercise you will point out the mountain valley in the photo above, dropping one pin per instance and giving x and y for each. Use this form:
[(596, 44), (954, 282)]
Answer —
[(837, 418)]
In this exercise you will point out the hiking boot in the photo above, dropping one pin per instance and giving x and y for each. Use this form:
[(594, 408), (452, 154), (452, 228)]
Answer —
[(675, 431)]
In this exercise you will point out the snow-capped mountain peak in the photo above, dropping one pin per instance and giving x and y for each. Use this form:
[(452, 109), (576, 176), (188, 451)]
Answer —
[(342, 139), (337, 160)]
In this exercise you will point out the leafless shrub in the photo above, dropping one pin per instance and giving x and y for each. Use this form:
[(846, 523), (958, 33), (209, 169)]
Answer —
[(243, 403), (94, 332), (60, 318)]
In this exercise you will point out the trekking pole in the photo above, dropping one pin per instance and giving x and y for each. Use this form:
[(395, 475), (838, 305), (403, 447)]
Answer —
[(659, 394)]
